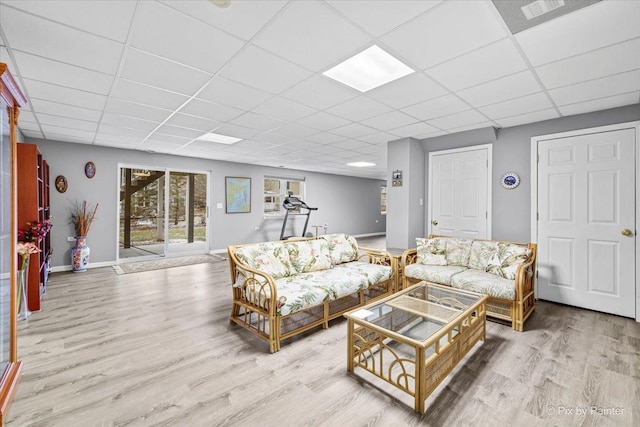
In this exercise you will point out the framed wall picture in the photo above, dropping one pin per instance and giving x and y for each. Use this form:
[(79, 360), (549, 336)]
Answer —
[(61, 183), (238, 194), (90, 170)]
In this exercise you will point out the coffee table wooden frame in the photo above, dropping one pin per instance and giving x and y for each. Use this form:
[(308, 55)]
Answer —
[(371, 347)]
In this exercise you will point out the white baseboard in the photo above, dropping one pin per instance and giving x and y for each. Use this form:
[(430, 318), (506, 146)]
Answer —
[(91, 265)]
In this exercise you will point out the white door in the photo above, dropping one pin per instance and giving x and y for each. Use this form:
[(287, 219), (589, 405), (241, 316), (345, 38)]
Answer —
[(586, 224), (459, 192)]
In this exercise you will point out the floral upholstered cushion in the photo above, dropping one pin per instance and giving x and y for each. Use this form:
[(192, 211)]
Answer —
[(485, 283), (481, 252), (458, 251), (431, 251), (269, 257), (506, 260), (309, 255), (375, 273), (342, 247), (433, 273), (306, 290)]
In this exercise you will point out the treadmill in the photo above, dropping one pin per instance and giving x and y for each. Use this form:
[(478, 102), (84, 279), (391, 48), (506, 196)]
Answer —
[(292, 203)]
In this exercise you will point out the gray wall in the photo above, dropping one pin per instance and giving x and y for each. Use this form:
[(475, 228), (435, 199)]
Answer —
[(346, 204), (511, 209)]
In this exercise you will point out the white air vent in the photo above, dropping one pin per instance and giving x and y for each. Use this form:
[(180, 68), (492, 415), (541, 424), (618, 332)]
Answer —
[(540, 7)]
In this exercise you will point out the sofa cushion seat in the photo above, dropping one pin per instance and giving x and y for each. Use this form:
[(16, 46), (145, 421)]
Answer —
[(306, 290), (484, 283), (433, 273), (375, 273)]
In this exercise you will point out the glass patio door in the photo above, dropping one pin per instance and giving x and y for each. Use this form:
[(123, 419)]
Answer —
[(162, 212)]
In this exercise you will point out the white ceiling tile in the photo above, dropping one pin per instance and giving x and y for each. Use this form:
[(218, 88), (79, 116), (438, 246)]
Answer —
[(536, 116), (458, 120), (126, 108), (293, 130), (379, 17), (391, 120), (177, 131), (66, 122), (262, 70), (414, 130), (601, 104), (50, 130), (473, 126), (438, 107), (174, 140), (77, 139), (299, 145), (409, 90), (41, 37), (593, 27), (4, 57), (244, 19), (513, 86), (56, 109), (378, 138), (323, 121), (26, 116), (488, 63), (65, 95), (210, 110), (150, 34), (444, 32), (257, 121), (128, 122), (147, 95), (271, 138), (33, 134), (353, 130), (37, 68), (254, 145), (149, 69), (103, 138), (284, 109), (599, 88), (610, 60), (359, 108), (117, 143), (325, 138), (319, 92), (106, 129), (306, 20), (160, 145), (228, 92), (351, 144), (29, 126), (110, 18), (193, 122), (526, 104), (237, 131)]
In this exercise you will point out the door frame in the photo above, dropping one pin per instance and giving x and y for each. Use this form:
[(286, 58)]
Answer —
[(167, 171), (489, 148), (534, 185)]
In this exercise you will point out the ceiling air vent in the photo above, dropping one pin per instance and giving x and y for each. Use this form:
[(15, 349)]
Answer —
[(540, 7)]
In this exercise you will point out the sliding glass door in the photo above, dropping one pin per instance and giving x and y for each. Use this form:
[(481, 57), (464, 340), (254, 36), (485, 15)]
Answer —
[(162, 212)]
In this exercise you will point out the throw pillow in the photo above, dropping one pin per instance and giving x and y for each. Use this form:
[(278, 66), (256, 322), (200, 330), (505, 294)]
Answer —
[(431, 251), (507, 259), (458, 251)]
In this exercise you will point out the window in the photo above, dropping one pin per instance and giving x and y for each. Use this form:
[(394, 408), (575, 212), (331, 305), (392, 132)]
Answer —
[(275, 191), (383, 199)]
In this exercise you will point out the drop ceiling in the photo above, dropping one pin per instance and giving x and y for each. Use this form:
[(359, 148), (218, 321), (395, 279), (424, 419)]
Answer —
[(155, 75)]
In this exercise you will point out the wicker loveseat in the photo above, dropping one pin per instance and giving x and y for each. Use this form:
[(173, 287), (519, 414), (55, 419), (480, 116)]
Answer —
[(504, 271), (283, 288)]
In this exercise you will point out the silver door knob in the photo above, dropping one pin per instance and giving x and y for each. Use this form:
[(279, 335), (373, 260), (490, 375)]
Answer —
[(627, 232), (434, 222)]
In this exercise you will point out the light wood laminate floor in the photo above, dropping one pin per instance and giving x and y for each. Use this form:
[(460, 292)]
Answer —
[(156, 349)]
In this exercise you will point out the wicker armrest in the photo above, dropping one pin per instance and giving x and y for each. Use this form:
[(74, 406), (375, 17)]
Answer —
[(376, 256)]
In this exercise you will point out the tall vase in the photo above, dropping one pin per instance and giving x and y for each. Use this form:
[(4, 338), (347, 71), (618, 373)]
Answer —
[(21, 300), (80, 255)]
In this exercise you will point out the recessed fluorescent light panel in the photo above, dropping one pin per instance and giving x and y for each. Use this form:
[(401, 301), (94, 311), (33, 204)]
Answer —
[(361, 164), (220, 139), (540, 7), (369, 69)]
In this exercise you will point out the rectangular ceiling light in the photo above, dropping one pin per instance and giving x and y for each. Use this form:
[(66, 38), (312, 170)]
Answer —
[(220, 139), (540, 7), (361, 164), (369, 69)]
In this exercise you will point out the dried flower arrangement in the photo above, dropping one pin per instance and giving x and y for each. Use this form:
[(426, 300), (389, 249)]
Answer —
[(82, 217)]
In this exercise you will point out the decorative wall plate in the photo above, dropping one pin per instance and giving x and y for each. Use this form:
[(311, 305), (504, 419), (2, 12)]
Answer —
[(90, 169), (61, 184), (510, 180)]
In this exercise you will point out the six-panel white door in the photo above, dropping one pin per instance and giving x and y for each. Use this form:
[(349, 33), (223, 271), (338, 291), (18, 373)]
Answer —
[(459, 193), (586, 224)]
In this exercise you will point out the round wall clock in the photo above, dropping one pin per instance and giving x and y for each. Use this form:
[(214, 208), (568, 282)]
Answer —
[(510, 180), (61, 183), (90, 169)]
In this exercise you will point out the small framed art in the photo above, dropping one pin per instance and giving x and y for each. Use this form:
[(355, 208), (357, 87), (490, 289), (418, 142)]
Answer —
[(90, 170), (238, 194)]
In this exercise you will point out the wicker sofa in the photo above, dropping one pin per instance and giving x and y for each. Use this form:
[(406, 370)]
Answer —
[(283, 288), (504, 271)]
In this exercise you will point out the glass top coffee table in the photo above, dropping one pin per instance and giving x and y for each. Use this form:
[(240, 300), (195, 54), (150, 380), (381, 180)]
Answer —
[(414, 338)]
